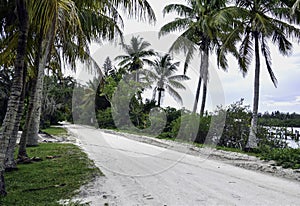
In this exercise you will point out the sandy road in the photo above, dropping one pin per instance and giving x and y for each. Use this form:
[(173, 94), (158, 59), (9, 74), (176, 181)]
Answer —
[(141, 174)]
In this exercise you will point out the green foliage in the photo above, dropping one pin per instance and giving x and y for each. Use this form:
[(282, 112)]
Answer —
[(48, 181), (190, 128), (287, 158), (236, 129), (280, 119), (57, 100), (186, 127), (105, 119)]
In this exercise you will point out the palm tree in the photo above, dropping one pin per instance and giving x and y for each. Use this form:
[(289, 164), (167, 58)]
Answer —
[(260, 21), (72, 38), (10, 124), (72, 49), (164, 77), (136, 55), (201, 22)]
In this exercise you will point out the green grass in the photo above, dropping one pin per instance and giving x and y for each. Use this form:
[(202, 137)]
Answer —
[(56, 131), (287, 158), (46, 182)]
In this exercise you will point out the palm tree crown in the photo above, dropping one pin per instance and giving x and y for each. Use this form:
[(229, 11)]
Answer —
[(201, 22), (136, 54), (164, 77)]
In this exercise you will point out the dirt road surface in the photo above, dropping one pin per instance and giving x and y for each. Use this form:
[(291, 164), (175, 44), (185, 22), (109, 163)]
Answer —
[(142, 174)]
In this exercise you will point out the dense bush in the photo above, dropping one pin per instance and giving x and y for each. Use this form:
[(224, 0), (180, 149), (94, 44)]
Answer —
[(57, 100), (287, 158), (190, 127), (105, 119), (236, 128)]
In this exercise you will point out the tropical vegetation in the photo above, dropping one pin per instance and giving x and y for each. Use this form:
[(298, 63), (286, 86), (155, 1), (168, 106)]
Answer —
[(39, 39)]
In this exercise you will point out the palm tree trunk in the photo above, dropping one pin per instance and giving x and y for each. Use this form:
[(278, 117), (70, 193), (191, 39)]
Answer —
[(252, 142), (10, 163), (203, 100), (204, 74), (23, 141), (10, 123), (197, 95), (198, 87), (34, 121), (159, 96), (22, 153), (34, 118)]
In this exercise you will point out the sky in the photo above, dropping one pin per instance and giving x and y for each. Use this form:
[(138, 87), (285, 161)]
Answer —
[(225, 87)]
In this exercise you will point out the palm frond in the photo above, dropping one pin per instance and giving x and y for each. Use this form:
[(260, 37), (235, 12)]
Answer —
[(246, 53), (266, 53), (176, 25), (179, 9), (179, 78), (174, 94)]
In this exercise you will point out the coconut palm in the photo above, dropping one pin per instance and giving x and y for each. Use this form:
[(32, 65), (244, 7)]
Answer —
[(10, 124), (136, 55), (260, 21), (71, 43), (163, 76), (201, 22)]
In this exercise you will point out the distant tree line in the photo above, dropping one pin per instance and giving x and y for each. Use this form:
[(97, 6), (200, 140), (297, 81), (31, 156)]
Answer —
[(280, 119)]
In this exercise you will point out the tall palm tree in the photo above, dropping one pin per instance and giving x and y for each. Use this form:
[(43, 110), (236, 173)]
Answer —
[(260, 21), (137, 54), (201, 22), (10, 124), (74, 25), (163, 75)]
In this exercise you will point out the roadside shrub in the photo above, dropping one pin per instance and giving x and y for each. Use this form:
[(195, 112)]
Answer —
[(105, 119), (287, 158), (185, 128), (237, 124), (191, 128)]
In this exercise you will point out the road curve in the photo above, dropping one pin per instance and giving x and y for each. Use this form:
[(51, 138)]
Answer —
[(141, 174)]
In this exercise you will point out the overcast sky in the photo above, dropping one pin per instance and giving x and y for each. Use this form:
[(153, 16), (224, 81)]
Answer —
[(224, 87)]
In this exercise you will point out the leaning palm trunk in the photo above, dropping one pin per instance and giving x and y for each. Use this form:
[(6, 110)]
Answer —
[(10, 163), (10, 121), (34, 121), (197, 95), (22, 145), (30, 134), (198, 86), (23, 141), (203, 100), (204, 75), (252, 142)]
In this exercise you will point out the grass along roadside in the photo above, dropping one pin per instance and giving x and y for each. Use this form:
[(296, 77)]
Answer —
[(59, 176), (56, 131)]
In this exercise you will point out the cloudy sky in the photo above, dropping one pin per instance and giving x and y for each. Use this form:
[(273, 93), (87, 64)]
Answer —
[(225, 87), (286, 97)]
